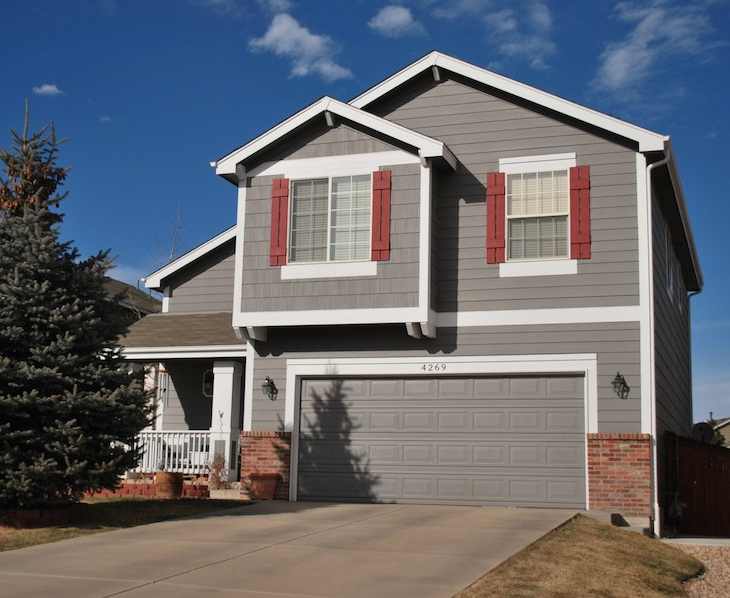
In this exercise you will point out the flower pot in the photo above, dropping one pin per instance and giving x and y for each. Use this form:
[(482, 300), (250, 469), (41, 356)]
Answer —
[(168, 484), (263, 485)]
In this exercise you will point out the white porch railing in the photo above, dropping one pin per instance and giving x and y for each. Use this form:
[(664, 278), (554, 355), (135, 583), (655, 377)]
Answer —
[(185, 451)]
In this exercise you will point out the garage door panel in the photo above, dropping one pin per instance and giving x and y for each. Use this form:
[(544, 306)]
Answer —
[(497, 441)]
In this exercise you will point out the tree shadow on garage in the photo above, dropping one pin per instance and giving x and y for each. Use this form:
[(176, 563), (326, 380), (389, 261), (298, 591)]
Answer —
[(330, 467)]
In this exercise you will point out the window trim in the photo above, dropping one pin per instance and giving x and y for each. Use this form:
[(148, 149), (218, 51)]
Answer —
[(548, 266), (329, 177)]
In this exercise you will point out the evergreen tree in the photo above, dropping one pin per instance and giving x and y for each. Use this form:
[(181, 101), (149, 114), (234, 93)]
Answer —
[(67, 403)]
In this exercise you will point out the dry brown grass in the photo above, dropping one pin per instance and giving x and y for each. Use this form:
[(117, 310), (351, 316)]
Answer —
[(587, 558), (107, 514)]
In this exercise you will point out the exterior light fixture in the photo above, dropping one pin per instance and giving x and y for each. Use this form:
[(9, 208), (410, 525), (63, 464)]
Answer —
[(620, 387), (269, 389)]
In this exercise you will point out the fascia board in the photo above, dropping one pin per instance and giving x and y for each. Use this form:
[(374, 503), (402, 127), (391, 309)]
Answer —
[(683, 213), (154, 280), (646, 140), (427, 146)]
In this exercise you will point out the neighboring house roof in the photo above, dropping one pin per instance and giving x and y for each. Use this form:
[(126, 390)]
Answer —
[(427, 147), (723, 426), (132, 298), (154, 280), (184, 330)]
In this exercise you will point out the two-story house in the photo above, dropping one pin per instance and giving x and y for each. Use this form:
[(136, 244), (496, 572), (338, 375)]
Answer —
[(455, 288)]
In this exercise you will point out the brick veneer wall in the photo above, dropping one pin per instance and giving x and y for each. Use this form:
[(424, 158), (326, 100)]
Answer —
[(264, 452), (619, 473)]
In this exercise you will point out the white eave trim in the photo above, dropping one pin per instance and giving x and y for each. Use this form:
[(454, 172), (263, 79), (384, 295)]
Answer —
[(427, 146), (154, 280), (683, 213), (647, 140), (182, 352)]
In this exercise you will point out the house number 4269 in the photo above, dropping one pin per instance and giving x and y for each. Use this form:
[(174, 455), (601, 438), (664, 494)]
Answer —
[(433, 367)]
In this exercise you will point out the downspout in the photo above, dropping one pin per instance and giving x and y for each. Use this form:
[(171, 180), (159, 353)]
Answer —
[(656, 524)]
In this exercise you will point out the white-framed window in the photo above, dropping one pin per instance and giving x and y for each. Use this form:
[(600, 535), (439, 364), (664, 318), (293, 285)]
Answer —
[(330, 219), (538, 210)]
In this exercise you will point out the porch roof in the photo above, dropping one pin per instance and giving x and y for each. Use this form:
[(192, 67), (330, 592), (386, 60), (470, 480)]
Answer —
[(182, 330)]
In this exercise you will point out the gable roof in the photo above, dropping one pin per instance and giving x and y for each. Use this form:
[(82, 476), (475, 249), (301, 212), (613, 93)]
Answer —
[(647, 140), (427, 147), (154, 280)]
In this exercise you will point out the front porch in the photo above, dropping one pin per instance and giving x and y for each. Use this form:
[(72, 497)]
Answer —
[(198, 393)]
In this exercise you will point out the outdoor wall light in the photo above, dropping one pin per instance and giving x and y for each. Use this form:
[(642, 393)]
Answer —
[(269, 388), (620, 387)]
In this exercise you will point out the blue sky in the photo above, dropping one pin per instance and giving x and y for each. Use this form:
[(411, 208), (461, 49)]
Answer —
[(149, 93)]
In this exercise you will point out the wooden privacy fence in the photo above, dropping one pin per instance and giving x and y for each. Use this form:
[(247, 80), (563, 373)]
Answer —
[(697, 487)]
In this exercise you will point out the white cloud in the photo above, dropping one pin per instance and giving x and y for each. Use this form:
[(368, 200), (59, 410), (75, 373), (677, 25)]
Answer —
[(104, 119), (47, 89), (310, 53), (661, 32), (396, 21), (523, 33)]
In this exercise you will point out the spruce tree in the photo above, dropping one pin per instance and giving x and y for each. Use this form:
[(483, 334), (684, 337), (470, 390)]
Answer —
[(69, 408)]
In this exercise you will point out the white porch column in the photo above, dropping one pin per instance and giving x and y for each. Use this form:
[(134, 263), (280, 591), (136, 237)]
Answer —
[(224, 430)]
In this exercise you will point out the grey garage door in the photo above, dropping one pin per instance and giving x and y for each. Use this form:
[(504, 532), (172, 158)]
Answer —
[(515, 441)]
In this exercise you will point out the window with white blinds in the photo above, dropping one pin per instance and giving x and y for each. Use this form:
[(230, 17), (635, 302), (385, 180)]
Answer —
[(330, 219), (538, 205)]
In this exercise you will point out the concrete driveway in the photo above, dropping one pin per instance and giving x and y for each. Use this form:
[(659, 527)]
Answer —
[(284, 550)]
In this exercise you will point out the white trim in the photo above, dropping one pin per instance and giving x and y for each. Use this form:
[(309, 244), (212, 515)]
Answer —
[(646, 292), (533, 317), (645, 229), (154, 280), (647, 140), (166, 300), (463, 319), (181, 352), (424, 240), (426, 146), (585, 364), (323, 317), (538, 268), (327, 166), (248, 389), (238, 271), (537, 163), (338, 269)]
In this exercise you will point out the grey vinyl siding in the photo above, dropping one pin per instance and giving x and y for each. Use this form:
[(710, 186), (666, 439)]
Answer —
[(206, 285), (187, 407), (396, 283), (480, 129), (616, 345), (317, 140), (673, 367)]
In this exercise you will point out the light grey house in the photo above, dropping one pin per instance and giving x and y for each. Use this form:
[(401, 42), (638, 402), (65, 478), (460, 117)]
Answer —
[(442, 279)]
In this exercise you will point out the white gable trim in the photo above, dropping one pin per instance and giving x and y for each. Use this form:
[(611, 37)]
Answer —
[(154, 280), (427, 146), (647, 140), (180, 352)]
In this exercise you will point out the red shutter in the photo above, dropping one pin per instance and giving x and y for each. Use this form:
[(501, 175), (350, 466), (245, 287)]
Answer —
[(381, 216), (495, 218), (580, 213), (279, 217)]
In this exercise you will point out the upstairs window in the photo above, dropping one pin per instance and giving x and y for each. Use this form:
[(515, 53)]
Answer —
[(537, 215), (330, 219)]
